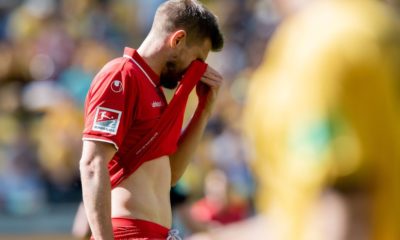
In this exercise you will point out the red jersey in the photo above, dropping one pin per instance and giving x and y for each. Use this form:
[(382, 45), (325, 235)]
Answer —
[(112, 110), (125, 104)]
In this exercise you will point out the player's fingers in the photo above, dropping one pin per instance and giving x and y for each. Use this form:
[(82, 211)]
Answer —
[(212, 72), (211, 69), (213, 77), (212, 82)]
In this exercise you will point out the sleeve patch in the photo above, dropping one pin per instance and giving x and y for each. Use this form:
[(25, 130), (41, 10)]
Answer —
[(107, 120)]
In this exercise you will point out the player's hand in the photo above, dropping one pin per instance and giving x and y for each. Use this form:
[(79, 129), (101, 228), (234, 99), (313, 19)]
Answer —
[(208, 87)]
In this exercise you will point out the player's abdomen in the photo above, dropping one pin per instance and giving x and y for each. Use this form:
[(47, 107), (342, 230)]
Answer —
[(145, 194)]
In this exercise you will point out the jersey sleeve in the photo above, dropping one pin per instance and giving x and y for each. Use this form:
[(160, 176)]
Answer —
[(110, 105)]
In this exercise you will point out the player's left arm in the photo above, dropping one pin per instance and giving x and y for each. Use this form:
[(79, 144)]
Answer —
[(207, 91)]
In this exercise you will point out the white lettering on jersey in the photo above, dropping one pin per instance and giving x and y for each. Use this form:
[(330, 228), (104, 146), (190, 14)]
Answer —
[(156, 104)]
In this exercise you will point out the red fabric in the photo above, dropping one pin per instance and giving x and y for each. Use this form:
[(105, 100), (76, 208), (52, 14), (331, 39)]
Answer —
[(136, 120), (163, 138), (207, 211), (126, 107), (135, 229)]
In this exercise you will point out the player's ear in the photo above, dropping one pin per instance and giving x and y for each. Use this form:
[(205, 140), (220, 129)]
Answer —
[(177, 39)]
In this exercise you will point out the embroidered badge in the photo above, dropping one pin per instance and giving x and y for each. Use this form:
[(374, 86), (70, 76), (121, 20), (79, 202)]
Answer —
[(116, 86), (106, 120)]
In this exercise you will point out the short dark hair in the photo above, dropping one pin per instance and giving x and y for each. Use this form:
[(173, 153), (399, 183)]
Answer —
[(191, 16)]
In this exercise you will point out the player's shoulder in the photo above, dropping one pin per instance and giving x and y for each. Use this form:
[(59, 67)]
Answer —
[(116, 65), (116, 68), (116, 75)]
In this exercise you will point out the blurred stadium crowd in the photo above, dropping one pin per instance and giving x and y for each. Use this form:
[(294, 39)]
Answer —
[(49, 53)]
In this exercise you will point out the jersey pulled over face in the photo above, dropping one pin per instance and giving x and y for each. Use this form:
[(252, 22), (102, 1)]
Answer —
[(178, 64), (124, 102)]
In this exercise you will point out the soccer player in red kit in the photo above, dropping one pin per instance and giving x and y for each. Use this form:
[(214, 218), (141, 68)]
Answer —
[(133, 149)]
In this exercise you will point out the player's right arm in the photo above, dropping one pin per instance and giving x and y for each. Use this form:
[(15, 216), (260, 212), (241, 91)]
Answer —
[(108, 114), (96, 187)]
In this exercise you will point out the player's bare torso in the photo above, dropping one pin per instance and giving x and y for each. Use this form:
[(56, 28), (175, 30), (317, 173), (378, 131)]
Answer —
[(145, 194)]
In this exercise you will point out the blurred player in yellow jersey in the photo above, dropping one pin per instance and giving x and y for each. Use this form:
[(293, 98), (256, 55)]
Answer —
[(324, 104)]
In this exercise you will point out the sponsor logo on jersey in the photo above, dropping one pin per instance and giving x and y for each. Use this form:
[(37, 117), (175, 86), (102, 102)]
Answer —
[(116, 86), (106, 120), (156, 104)]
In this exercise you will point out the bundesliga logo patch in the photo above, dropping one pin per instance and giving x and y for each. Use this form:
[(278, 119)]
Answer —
[(106, 120)]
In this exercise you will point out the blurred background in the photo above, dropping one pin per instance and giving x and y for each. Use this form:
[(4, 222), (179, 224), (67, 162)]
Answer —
[(50, 51)]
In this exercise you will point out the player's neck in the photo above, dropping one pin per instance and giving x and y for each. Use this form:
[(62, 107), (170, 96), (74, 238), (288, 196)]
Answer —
[(151, 52)]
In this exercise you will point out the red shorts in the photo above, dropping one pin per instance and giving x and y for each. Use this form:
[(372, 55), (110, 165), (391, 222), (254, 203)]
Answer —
[(135, 229)]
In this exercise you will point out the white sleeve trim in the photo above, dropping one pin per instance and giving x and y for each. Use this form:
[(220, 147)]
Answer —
[(101, 140)]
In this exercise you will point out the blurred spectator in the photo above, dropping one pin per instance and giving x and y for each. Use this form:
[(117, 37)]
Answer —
[(220, 205), (76, 78), (21, 188)]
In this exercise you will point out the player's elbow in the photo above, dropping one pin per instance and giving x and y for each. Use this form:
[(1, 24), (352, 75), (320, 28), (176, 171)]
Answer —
[(86, 168), (90, 167)]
